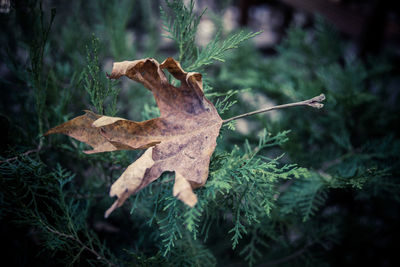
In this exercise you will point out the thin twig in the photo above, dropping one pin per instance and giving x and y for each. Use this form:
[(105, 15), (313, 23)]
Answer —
[(326, 165), (94, 252), (287, 258), (22, 154), (314, 102), (89, 196)]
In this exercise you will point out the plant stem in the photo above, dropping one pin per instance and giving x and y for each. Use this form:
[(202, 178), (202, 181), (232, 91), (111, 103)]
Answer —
[(288, 258), (83, 246), (22, 154), (314, 102)]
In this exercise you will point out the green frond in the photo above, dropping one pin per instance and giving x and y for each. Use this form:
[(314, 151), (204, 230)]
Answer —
[(170, 225), (190, 252), (215, 50), (252, 250), (304, 196), (180, 23), (97, 85), (61, 225)]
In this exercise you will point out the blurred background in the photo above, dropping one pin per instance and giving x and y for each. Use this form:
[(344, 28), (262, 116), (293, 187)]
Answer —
[(55, 53), (133, 29)]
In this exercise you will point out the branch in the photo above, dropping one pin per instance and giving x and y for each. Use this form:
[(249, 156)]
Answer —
[(314, 102), (287, 258), (91, 250), (22, 154)]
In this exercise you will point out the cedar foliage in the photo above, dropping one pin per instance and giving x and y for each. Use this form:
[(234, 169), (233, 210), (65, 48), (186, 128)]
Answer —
[(293, 192)]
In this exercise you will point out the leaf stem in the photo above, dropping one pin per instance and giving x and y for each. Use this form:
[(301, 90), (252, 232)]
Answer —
[(314, 102)]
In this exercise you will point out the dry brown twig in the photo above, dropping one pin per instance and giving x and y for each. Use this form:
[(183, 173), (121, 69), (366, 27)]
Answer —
[(314, 102)]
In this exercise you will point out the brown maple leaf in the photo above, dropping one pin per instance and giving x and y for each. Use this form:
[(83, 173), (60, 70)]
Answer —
[(181, 140)]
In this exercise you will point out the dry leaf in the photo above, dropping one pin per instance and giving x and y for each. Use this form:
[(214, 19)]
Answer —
[(181, 140)]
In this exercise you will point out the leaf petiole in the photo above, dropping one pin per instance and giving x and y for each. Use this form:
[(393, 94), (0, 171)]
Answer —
[(314, 102)]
